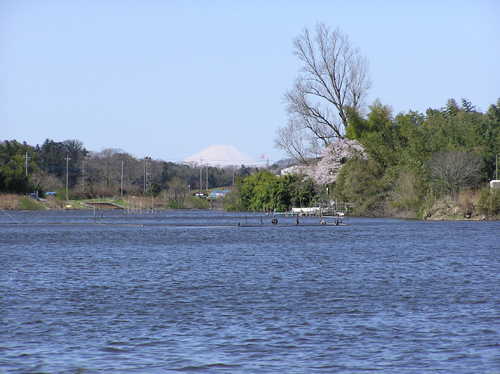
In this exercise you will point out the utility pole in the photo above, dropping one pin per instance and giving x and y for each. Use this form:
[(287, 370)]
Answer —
[(27, 157), (67, 175), (122, 181), (201, 174), (208, 197)]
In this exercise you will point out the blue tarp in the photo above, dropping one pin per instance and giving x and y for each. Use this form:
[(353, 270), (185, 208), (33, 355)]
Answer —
[(214, 193), (218, 193)]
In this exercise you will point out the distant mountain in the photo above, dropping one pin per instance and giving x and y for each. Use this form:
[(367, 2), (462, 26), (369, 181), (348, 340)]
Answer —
[(221, 155)]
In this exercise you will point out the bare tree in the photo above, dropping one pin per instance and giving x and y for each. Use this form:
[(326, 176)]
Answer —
[(455, 170), (334, 77), (47, 182), (105, 168), (297, 141)]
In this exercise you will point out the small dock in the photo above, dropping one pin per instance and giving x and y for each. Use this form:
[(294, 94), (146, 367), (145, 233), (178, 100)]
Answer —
[(312, 212)]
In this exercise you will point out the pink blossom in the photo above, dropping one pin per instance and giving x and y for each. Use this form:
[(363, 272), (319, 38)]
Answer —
[(327, 169)]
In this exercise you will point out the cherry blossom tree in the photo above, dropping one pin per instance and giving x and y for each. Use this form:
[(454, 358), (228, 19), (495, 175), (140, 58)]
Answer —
[(326, 170)]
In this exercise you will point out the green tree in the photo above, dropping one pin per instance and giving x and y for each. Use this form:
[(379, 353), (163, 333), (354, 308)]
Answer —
[(13, 173), (379, 117), (52, 157), (154, 189), (263, 190), (178, 191), (487, 135)]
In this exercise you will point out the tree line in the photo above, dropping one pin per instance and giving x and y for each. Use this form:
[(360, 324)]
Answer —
[(54, 165), (380, 163), (389, 165)]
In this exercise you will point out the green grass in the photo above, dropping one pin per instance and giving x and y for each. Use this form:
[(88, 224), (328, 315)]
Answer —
[(27, 203)]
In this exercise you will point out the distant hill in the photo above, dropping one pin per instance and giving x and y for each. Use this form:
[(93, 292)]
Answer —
[(221, 155)]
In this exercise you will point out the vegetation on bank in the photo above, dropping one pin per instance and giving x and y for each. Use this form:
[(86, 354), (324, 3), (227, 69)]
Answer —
[(137, 204), (435, 165), (416, 159), (414, 166)]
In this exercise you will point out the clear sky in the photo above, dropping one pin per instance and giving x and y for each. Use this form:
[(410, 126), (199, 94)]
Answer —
[(167, 79)]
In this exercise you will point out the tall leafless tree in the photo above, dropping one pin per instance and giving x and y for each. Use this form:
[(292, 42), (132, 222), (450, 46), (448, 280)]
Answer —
[(334, 77)]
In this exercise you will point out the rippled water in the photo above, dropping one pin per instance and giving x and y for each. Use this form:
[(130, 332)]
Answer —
[(191, 292)]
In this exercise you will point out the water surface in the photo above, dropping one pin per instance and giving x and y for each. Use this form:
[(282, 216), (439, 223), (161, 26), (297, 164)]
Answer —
[(191, 292)]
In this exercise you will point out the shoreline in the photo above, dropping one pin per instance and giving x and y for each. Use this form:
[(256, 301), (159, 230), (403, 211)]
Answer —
[(442, 210)]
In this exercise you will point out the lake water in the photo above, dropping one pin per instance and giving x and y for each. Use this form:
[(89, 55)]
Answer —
[(191, 292)]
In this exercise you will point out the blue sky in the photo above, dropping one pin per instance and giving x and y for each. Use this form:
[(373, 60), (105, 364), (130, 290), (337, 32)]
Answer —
[(167, 79)]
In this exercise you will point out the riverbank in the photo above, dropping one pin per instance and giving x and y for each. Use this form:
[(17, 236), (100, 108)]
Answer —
[(132, 203), (444, 209), (450, 210)]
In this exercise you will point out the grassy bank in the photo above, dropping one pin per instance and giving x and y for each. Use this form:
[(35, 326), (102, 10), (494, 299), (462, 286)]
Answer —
[(138, 204), (468, 205)]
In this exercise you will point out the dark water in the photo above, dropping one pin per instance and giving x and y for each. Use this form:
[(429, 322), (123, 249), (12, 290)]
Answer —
[(190, 292)]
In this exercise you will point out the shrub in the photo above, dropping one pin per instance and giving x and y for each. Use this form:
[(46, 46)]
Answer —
[(495, 201), (61, 194), (27, 203), (153, 190), (489, 201), (195, 202), (466, 200), (54, 203), (406, 196), (175, 205)]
